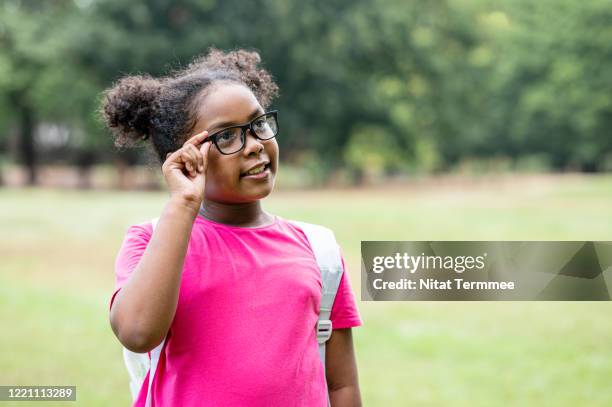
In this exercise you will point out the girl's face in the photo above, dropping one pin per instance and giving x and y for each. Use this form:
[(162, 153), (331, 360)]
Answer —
[(227, 104)]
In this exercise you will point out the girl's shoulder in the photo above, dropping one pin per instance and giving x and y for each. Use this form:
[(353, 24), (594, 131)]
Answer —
[(140, 231), (307, 228)]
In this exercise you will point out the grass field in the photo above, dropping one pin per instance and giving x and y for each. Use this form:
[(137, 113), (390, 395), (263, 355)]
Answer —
[(56, 276)]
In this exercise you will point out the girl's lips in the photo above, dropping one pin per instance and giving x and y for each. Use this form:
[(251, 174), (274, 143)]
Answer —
[(262, 175)]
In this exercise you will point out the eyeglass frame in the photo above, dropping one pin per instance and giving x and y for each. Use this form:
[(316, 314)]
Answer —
[(243, 128)]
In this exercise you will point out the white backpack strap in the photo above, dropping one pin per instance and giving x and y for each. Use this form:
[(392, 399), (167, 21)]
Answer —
[(155, 353), (138, 364), (327, 253)]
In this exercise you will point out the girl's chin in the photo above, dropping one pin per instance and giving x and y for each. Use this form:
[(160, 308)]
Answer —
[(262, 191), (258, 191)]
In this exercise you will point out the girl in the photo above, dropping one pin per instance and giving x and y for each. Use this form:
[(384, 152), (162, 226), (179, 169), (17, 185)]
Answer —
[(234, 289)]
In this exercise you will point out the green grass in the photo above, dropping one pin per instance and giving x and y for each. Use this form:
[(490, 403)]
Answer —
[(56, 276)]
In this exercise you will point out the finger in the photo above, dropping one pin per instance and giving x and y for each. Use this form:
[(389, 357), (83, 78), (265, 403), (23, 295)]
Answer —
[(174, 156), (193, 152), (205, 150), (198, 156), (197, 139), (188, 160)]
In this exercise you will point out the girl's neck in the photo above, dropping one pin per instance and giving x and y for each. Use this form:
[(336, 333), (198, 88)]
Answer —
[(248, 214)]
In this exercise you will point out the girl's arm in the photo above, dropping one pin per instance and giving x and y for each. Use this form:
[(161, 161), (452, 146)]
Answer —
[(341, 369), (144, 308)]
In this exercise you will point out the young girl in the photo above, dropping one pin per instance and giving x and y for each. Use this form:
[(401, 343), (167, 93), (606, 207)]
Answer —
[(233, 289)]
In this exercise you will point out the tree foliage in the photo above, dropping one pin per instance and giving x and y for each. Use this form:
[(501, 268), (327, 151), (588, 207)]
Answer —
[(406, 85)]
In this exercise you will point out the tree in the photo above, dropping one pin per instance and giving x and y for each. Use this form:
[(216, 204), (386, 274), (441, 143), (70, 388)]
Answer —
[(33, 74)]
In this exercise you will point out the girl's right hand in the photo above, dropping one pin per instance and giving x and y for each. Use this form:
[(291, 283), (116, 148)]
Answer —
[(185, 170)]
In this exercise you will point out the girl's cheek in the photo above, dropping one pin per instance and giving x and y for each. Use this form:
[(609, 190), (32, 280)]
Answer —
[(226, 174)]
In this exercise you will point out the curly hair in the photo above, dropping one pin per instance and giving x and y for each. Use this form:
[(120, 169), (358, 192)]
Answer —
[(139, 107)]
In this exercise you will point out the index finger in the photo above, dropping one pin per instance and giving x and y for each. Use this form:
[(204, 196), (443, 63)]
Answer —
[(197, 139)]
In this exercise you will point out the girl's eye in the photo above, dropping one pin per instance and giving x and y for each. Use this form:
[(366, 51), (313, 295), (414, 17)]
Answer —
[(225, 136), (260, 123)]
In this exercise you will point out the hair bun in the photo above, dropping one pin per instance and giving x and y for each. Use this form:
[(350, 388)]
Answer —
[(245, 64), (129, 106)]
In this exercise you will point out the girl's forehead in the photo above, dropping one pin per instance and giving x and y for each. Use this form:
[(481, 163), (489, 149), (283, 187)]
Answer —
[(226, 104)]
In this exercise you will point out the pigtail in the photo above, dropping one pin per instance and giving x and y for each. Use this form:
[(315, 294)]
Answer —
[(129, 107)]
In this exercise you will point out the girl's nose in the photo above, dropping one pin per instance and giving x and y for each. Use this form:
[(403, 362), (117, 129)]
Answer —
[(252, 144)]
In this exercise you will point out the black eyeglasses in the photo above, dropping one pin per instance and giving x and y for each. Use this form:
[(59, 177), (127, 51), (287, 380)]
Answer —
[(232, 139)]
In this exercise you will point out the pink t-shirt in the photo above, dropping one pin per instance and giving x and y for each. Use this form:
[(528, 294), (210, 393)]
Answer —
[(244, 329)]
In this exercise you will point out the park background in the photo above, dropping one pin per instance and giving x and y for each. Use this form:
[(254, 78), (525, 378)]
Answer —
[(400, 120)]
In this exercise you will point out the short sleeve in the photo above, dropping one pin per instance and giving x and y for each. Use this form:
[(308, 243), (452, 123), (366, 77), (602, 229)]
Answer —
[(133, 247), (344, 313)]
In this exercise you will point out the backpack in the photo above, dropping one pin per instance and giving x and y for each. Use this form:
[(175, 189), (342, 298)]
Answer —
[(327, 253)]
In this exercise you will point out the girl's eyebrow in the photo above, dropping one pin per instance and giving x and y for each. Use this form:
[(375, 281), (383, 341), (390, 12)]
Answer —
[(256, 113)]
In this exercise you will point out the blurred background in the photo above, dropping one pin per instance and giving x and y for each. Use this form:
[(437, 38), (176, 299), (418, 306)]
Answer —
[(400, 120)]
